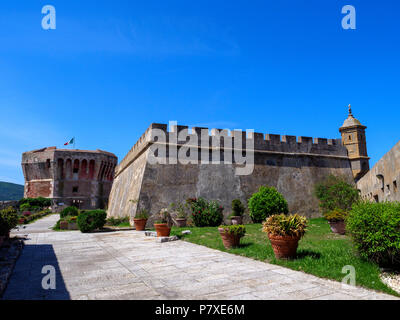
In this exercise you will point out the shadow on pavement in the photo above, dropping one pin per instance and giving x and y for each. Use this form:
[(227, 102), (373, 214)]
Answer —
[(26, 280)]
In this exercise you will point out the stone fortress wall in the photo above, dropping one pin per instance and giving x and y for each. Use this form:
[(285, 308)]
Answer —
[(72, 177), (291, 164), (381, 183)]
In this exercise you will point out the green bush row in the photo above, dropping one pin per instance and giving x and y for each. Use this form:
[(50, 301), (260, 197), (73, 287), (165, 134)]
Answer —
[(8, 220), (34, 216), (34, 204), (375, 230)]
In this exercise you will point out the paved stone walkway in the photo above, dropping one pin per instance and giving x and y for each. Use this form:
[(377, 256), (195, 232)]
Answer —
[(128, 265), (39, 226)]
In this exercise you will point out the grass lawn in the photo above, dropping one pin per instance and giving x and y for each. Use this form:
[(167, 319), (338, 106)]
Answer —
[(321, 252)]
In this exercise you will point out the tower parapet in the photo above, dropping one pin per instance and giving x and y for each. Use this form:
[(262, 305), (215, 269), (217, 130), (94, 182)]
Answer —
[(72, 177)]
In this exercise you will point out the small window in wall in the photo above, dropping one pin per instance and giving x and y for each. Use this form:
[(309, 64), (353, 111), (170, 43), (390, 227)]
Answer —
[(395, 186), (349, 137), (376, 198), (388, 187), (48, 164), (75, 189)]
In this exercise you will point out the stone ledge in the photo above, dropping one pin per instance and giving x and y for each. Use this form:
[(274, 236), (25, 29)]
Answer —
[(166, 239), (160, 239)]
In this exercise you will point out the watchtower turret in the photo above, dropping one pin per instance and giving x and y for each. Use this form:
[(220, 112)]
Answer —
[(353, 138)]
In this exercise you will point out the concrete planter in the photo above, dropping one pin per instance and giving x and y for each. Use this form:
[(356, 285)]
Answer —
[(338, 227), (180, 222), (236, 220), (64, 225), (73, 226), (284, 247)]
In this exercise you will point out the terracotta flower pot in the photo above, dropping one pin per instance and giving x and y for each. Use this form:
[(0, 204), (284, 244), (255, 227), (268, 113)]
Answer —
[(140, 224), (162, 229), (338, 226), (284, 247), (180, 222), (229, 240), (236, 220)]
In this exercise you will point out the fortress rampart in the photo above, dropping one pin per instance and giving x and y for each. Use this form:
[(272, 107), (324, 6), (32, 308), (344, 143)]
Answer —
[(72, 177), (291, 164)]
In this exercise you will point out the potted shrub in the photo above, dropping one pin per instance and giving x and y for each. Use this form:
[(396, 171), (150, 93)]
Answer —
[(284, 233), (181, 217), (237, 212), (163, 223), (336, 219), (140, 220), (231, 235)]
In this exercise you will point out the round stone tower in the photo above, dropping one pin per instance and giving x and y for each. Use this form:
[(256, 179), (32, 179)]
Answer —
[(79, 178), (353, 138)]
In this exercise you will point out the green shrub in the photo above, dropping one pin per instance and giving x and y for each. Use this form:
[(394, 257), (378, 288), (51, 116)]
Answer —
[(142, 214), (236, 229), (34, 204), (267, 201), (205, 213), (336, 193), (117, 221), (91, 220), (237, 208), (375, 230), (283, 225), (336, 215), (69, 211), (25, 207), (8, 220)]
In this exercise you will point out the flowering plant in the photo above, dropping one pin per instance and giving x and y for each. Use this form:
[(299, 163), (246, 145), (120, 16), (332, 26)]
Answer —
[(205, 213)]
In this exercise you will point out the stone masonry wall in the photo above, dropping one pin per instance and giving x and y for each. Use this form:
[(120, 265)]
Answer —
[(382, 181), (72, 177), (291, 164)]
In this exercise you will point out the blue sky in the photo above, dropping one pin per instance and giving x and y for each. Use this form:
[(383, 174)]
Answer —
[(113, 67)]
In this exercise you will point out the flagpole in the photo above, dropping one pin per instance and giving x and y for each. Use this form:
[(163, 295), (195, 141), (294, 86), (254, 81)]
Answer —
[(74, 142)]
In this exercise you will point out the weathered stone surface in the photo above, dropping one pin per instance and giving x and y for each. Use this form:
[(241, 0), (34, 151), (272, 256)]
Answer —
[(381, 182), (292, 167), (167, 239), (73, 177)]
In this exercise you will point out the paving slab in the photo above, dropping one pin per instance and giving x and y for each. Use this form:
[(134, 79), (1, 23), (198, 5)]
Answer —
[(124, 265)]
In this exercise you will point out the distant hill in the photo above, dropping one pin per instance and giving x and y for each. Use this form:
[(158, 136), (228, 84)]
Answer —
[(11, 191)]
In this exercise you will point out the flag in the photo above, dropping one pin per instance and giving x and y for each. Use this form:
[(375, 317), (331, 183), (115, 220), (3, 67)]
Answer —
[(69, 142)]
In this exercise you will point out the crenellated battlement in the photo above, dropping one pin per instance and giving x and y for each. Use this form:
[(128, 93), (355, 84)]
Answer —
[(230, 139)]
